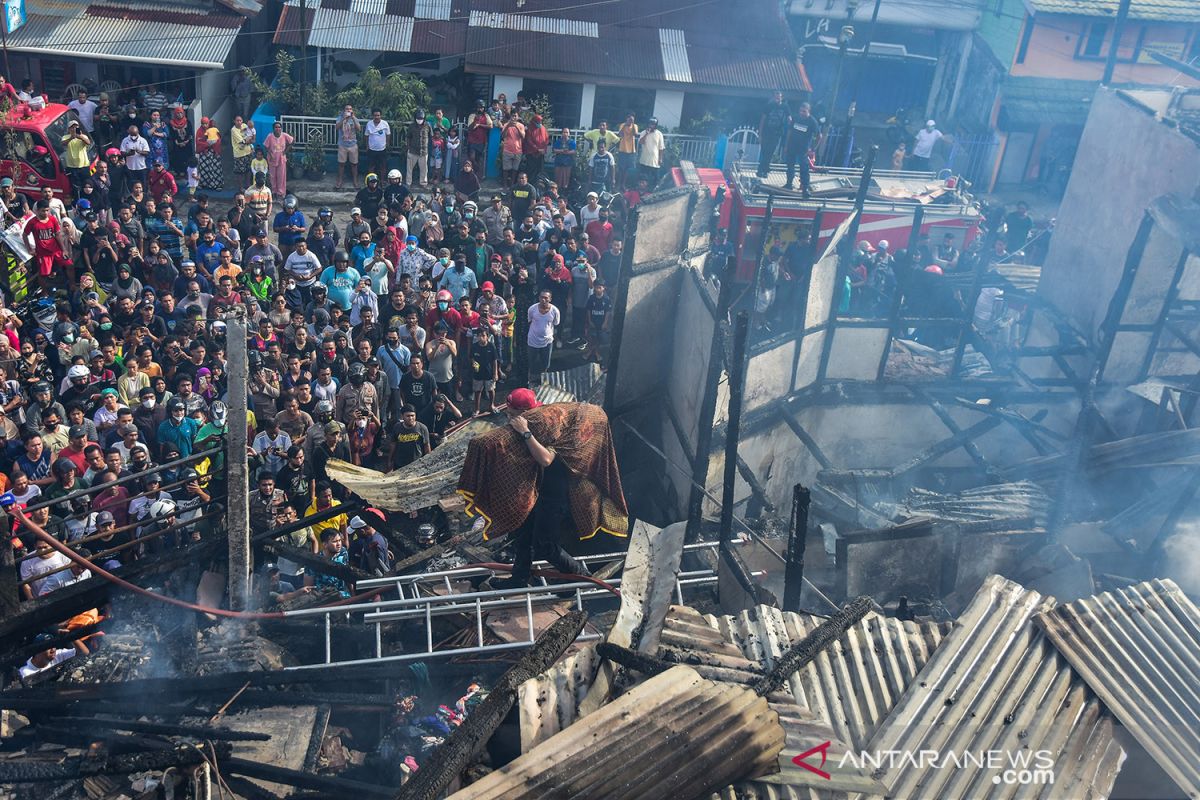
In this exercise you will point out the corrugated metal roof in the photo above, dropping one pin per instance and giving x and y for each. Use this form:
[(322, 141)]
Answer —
[(675, 735), (147, 38), (852, 685), (293, 27), (579, 383), (349, 30), (674, 55), (432, 9), (563, 26), (996, 683), (1139, 650), (1166, 10)]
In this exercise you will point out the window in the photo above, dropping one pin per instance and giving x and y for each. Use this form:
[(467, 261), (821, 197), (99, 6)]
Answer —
[(1093, 42)]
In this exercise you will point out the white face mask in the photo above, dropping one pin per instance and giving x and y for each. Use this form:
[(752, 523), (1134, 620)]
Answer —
[(178, 416), (149, 402), (362, 423)]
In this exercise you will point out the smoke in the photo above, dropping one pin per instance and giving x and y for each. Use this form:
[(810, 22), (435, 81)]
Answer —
[(1181, 562)]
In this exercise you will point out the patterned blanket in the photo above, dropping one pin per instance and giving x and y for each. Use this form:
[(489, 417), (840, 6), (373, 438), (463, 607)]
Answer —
[(500, 479)]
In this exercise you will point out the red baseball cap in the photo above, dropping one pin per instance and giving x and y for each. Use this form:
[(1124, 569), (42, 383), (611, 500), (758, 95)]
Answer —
[(522, 400), (488, 286)]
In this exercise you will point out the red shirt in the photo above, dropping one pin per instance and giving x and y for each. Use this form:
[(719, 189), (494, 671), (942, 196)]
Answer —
[(599, 234), (45, 234), (537, 140), (450, 315)]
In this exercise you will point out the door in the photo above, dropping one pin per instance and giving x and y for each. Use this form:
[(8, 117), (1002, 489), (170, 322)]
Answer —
[(1016, 157)]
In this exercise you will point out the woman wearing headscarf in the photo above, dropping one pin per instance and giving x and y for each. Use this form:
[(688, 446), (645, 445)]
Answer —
[(208, 154), (181, 141)]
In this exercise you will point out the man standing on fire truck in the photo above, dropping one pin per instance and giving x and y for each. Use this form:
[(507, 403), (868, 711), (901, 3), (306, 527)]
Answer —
[(799, 140)]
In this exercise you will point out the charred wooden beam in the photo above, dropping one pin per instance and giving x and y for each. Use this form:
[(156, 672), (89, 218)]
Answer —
[(449, 760), (340, 787), (315, 561), (21, 654), (808, 648), (632, 659), (137, 726), (30, 770)]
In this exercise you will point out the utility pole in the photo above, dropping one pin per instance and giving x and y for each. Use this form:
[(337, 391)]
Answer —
[(733, 426), (304, 34), (237, 466), (1110, 63)]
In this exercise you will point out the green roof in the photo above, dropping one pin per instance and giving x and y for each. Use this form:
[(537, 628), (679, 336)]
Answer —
[(1047, 100), (1163, 10)]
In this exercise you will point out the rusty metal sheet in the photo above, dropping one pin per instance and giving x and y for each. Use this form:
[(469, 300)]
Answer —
[(1139, 650)]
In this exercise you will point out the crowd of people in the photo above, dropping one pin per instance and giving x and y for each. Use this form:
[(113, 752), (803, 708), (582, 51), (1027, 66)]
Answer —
[(369, 335)]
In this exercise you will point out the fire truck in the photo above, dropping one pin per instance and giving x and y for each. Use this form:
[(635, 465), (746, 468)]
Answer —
[(891, 199)]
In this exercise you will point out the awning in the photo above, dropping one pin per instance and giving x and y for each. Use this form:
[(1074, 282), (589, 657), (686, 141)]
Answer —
[(1038, 101), (116, 33)]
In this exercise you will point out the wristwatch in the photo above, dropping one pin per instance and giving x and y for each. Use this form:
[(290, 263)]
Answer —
[(527, 435)]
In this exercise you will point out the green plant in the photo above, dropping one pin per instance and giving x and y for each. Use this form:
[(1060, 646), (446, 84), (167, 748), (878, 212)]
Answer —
[(284, 91), (398, 95), (540, 105), (313, 159)]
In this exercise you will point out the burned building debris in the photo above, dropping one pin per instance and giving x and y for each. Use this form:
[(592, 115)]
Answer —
[(895, 549)]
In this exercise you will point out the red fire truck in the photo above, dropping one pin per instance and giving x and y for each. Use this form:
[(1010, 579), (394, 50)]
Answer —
[(31, 147), (888, 213)]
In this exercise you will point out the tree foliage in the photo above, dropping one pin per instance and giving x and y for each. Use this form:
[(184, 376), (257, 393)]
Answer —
[(398, 95)]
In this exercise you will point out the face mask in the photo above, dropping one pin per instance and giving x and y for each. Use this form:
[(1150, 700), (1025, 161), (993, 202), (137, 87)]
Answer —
[(291, 285), (148, 402), (410, 247), (469, 215), (443, 306), (106, 326), (362, 423), (69, 338), (178, 416), (444, 261)]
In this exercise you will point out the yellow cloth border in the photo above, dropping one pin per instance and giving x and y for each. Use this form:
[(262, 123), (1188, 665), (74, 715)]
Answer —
[(472, 510)]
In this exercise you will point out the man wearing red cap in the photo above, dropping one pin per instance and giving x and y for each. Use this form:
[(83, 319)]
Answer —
[(550, 469)]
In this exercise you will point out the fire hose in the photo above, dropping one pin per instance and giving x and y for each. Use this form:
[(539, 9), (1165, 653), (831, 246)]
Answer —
[(9, 504)]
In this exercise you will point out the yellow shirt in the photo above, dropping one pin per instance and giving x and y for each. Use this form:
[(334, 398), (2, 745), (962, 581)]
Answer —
[(259, 165), (241, 148), (339, 522), (232, 271), (77, 152)]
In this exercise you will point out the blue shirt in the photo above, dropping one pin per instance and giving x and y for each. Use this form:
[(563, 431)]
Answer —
[(458, 283), (341, 285), (170, 241), (209, 254), (360, 254), (283, 219), (393, 368), (181, 435)]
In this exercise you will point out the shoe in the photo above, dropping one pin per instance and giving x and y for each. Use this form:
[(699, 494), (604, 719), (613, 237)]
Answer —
[(581, 346), (789, 186)]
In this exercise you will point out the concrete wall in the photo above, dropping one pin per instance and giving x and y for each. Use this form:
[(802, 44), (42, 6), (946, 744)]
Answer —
[(1104, 203)]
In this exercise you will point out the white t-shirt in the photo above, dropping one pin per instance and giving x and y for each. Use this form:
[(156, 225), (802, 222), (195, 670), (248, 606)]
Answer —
[(377, 134), (541, 326), (59, 657), (926, 139), (86, 112), (32, 567), (650, 149), (137, 149)]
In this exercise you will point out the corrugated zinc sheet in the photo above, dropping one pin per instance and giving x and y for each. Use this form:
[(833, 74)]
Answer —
[(128, 39), (676, 735), (562, 26), (1139, 650), (293, 29), (996, 684), (344, 29), (1166, 10), (852, 685), (432, 9), (674, 55), (580, 383)]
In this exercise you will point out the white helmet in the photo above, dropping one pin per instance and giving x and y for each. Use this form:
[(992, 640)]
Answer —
[(393, 174), (78, 371), (162, 508), (883, 244)]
